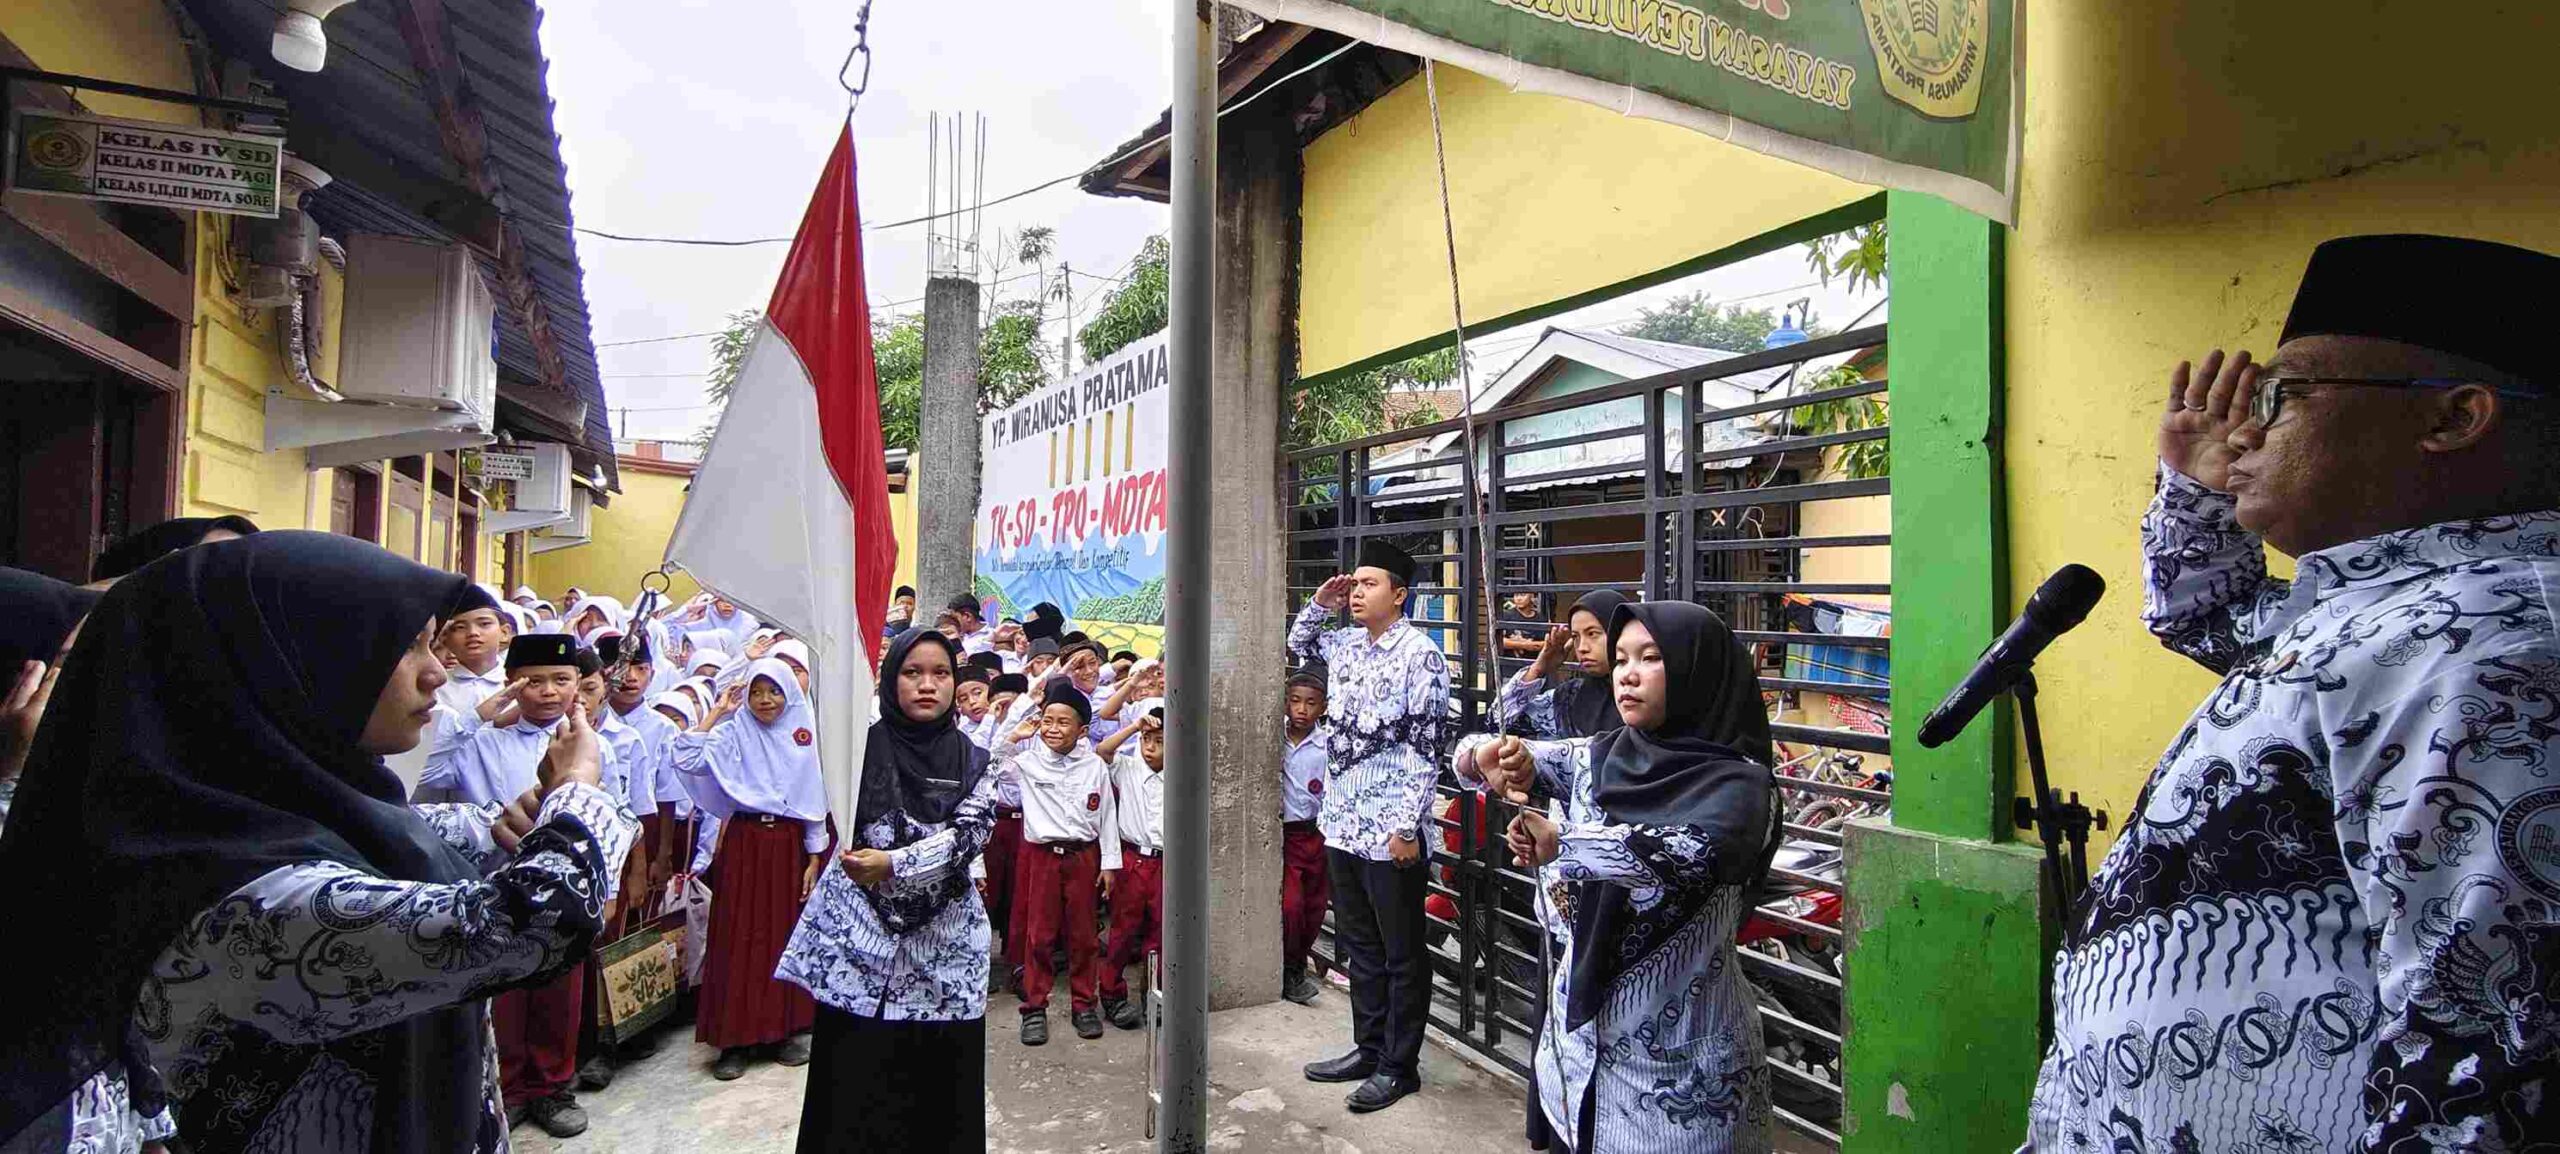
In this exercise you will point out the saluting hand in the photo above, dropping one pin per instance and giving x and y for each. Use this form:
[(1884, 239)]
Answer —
[(727, 705), (1551, 653), (23, 710), (501, 708), (2205, 407), (575, 754), (1335, 592)]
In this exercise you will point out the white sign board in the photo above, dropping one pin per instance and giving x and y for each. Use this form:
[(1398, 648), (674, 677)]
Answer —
[(143, 162), (499, 465), (1071, 500)]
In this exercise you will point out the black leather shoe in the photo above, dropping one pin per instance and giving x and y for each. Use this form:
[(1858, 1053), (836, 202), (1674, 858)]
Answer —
[(1123, 1013), (1355, 1066), (1087, 1023), (1035, 1028), (1381, 1091), (1298, 987), (730, 1065)]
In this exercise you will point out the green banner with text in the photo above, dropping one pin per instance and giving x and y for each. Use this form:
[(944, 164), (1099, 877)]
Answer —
[(1915, 94)]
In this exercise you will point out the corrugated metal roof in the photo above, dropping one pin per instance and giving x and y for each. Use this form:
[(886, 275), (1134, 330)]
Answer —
[(371, 94)]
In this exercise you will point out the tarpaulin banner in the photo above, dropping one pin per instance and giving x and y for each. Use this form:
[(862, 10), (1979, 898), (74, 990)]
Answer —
[(1071, 498), (1912, 94)]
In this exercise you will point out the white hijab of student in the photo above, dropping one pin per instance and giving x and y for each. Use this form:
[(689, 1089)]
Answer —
[(593, 614), (770, 768)]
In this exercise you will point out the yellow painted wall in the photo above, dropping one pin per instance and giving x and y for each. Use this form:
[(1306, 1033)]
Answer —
[(2181, 161), (134, 41), (625, 539), (227, 467), (1637, 196)]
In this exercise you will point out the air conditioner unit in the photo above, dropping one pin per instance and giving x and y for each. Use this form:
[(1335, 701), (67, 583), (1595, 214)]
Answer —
[(415, 365), (571, 530), (546, 498), (418, 328)]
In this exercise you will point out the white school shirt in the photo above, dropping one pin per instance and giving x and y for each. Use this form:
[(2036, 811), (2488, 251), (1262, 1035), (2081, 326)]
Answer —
[(630, 752), (1137, 799), (1067, 798), (1302, 774)]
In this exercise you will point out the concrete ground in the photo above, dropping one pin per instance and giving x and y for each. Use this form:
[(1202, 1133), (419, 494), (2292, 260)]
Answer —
[(1075, 1096)]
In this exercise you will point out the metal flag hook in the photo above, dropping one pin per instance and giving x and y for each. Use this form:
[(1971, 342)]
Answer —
[(664, 582), (853, 88)]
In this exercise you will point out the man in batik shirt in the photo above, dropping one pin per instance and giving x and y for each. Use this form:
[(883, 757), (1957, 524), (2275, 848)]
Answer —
[(1387, 712), (2333, 921)]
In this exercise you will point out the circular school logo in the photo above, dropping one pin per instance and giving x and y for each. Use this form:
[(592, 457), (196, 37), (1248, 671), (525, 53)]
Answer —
[(57, 148), (1929, 53), (1092, 801), (2529, 841), (802, 736), (1315, 785)]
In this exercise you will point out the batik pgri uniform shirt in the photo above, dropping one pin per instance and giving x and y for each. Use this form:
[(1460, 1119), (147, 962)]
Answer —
[(2333, 920), (1387, 721), (1672, 1062), (937, 972)]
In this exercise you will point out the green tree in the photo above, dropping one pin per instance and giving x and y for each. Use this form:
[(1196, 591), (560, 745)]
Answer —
[(1012, 358), (897, 352), (1857, 255), (1694, 318), (1138, 308), (728, 355)]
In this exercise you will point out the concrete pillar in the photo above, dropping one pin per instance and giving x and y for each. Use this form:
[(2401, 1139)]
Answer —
[(1255, 360), (947, 443)]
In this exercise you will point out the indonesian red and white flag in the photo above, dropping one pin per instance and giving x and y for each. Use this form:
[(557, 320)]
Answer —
[(788, 515)]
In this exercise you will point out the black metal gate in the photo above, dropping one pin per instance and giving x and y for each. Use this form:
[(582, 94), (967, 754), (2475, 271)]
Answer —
[(1746, 484)]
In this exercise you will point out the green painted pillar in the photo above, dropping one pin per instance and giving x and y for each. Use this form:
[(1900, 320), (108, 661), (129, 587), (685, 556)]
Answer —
[(1947, 942)]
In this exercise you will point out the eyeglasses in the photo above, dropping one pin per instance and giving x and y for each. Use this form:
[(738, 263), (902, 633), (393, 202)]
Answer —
[(2268, 400)]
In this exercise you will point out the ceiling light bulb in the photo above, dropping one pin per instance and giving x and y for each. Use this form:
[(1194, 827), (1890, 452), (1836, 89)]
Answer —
[(299, 43)]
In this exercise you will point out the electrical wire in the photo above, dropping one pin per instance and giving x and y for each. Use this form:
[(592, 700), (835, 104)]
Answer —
[(1043, 186)]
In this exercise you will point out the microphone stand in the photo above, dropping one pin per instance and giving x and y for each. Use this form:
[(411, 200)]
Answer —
[(2048, 815)]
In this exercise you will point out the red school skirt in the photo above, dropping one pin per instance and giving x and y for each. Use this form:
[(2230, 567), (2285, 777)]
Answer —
[(755, 902)]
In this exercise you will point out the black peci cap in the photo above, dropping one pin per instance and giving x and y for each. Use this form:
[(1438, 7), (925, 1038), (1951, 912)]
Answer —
[(530, 649), (1377, 554), (2476, 299), (1064, 692), (1009, 683)]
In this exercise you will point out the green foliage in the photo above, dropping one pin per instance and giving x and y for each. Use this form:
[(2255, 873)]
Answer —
[(1353, 406), (1142, 606), (1694, 318), (1857, 254), (897, 351), (1010, 355), (728, 355), (1858, 460), (1139, 307)]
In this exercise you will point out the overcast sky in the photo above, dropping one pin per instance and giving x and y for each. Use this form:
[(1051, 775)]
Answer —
[(710, 118)]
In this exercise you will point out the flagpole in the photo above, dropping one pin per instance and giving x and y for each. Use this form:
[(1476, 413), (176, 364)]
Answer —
[(1183, 1056)]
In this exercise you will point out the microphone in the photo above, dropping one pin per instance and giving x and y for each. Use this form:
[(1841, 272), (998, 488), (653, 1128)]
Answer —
[(2058, 605)]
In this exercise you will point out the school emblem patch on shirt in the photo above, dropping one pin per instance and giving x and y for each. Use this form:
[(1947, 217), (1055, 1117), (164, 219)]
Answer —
[(1092, 801), (1315, 785), (802, 736)]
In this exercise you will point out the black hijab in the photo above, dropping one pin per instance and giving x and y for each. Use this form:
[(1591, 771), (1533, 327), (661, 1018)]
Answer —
[(144, 546), (1705, 767), (205, 732), (36, 613), (1584, 702), (916, 773)]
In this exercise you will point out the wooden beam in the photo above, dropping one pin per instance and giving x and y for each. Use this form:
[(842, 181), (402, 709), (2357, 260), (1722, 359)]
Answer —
[(466, 140), (75, 227), (18, 305), (451, 207)]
